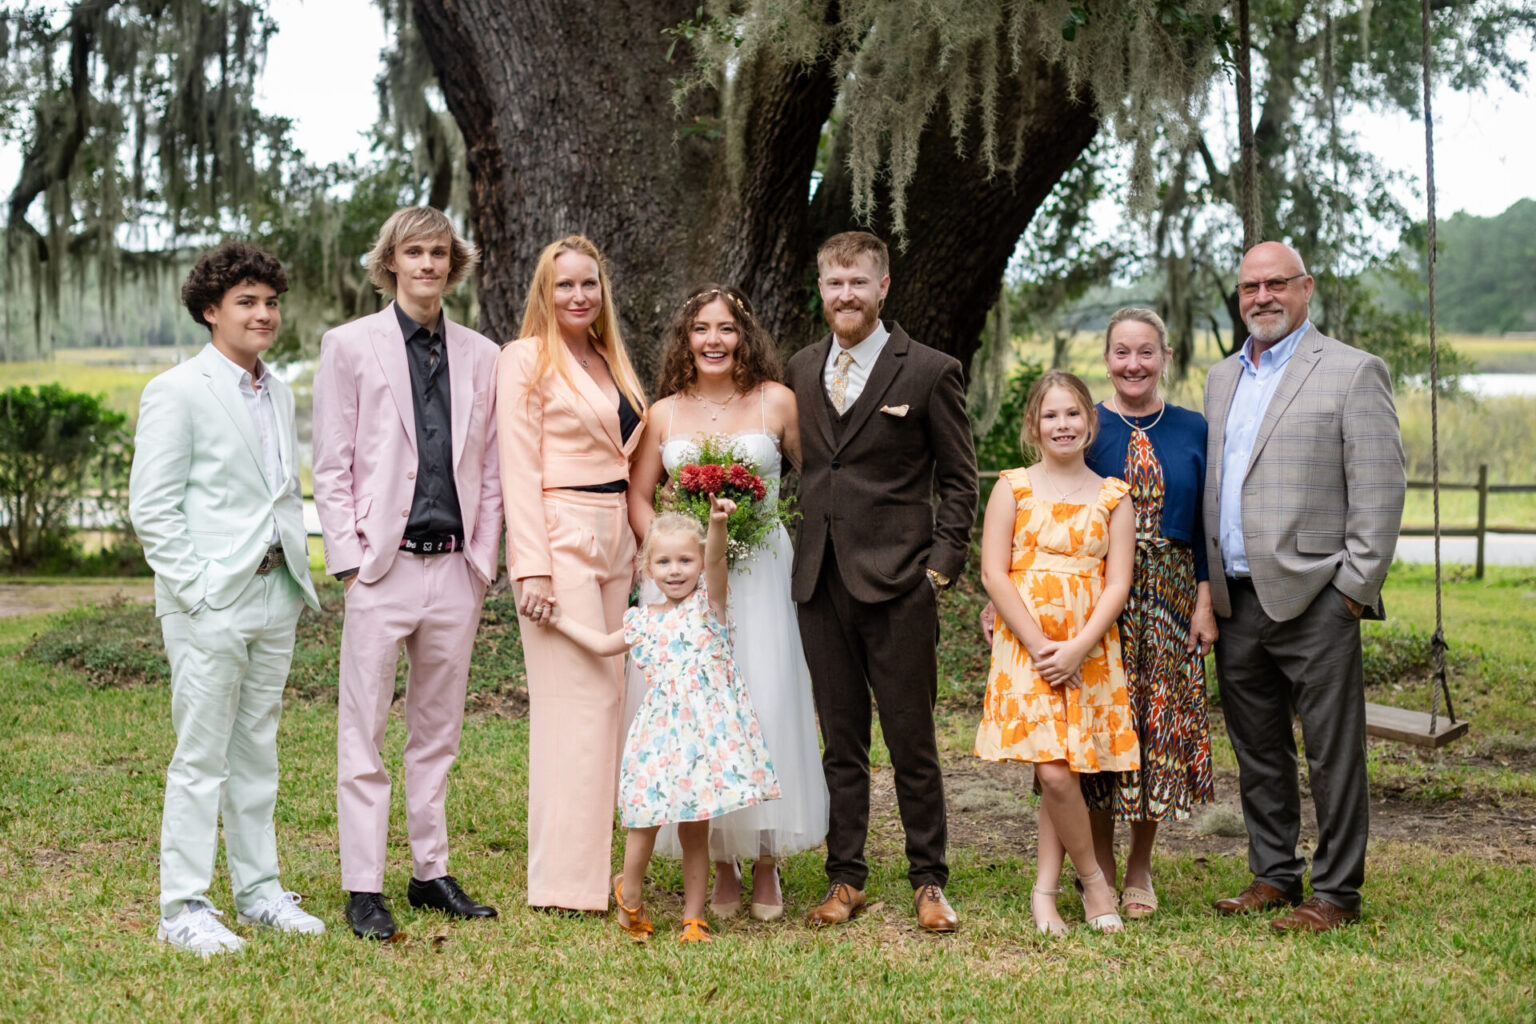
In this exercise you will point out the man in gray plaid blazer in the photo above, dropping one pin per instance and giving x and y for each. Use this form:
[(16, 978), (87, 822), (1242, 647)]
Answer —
[(1303, 501)]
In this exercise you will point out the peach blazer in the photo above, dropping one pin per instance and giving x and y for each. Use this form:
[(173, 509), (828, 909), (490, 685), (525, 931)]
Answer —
[(551, 436), (365, 444)]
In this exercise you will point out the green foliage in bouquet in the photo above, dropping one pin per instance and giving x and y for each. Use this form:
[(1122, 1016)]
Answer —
[(718, 468)]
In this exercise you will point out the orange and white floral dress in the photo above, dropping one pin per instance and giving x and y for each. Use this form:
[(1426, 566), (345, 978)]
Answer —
[(1058, 567)]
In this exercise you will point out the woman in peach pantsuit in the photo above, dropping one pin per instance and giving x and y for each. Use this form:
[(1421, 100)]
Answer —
[(569, 409)]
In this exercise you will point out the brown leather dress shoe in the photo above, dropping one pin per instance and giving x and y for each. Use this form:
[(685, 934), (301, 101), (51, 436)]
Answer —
[(841, 903), (934, 913), (1315, 915), (1258, 896)]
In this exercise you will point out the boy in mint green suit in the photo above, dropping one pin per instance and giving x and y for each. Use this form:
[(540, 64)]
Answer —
[(214, 497)]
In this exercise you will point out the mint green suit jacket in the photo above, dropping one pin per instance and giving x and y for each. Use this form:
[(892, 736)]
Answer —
[(198, 495)]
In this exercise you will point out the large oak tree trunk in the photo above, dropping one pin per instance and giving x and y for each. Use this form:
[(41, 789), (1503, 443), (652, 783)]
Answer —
[(570, 127)]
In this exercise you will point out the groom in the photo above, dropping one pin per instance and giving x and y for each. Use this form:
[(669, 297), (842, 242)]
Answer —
[(883, 431)]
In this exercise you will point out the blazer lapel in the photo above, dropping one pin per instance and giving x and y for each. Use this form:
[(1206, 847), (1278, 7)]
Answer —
[(461, 384), (606, 412), (222, 385), (818, 399), (389, 350), (1303, 361), (887, 365), (282, 404), (1223, 387)]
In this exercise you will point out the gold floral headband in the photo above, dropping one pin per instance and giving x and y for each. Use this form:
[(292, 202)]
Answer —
[(722, 293)]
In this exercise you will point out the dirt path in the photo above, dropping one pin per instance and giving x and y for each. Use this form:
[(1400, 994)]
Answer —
[(30, 598), (989, 812)]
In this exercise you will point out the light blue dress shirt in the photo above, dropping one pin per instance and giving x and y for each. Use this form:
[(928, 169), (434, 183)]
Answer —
[(1256, 384)]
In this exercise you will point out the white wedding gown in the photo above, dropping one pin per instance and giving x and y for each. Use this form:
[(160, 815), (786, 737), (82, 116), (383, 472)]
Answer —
[(765, 640)]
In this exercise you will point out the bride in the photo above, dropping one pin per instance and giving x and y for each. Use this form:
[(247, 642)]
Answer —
[(720, 377)]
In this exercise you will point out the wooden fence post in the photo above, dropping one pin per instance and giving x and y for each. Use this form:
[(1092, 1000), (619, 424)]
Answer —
[(1482, 515)]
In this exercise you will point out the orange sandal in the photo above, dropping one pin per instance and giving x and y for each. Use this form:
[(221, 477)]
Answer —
[(695, 930), (639, 927)]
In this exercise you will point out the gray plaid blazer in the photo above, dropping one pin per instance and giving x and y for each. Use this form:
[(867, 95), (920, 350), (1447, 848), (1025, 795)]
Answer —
[(1323, 494)]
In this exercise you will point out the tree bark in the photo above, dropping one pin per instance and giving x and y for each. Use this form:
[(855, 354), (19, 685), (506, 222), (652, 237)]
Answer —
[(570, 126)]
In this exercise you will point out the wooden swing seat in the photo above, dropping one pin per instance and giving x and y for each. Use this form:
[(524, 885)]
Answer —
[(1404, 726)]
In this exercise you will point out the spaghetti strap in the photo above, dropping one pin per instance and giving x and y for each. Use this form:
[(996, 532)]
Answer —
[(762, 407), (672, 414)]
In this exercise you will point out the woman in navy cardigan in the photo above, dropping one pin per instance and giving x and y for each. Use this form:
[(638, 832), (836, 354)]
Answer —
[(1167, 626)]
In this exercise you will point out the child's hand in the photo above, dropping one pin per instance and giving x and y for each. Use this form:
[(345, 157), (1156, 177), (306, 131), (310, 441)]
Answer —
[(721, 508), (551, 616), (1058, 661)]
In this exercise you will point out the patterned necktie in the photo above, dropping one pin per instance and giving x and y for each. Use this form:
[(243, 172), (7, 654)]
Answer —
[(839, 392)]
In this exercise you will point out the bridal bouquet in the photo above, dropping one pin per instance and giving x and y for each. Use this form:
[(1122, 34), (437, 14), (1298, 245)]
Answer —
[(719, 469)]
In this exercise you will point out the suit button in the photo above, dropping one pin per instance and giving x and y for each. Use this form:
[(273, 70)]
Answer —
[(836, 464)]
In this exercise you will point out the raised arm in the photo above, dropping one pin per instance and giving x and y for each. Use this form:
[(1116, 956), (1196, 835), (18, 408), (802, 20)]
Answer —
[(716, 572)]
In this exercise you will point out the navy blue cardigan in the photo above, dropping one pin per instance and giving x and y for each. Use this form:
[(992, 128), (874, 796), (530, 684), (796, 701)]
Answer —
[(1179, 441)]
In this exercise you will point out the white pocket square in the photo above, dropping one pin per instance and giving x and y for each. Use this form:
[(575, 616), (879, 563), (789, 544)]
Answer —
[(894, 410)]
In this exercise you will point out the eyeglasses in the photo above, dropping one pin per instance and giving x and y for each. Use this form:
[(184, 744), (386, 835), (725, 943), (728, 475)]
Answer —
[(1275, 285)]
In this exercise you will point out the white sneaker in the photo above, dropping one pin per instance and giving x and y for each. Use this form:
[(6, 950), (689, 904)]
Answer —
[(283, 914), (196, 929)]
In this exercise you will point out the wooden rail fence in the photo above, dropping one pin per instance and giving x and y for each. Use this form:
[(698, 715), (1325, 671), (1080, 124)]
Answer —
[(1480, 530)]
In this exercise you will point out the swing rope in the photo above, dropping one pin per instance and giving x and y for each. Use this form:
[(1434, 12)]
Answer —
[(1437, 642)]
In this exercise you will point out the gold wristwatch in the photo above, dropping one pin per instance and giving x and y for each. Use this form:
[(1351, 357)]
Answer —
[(939, 579)]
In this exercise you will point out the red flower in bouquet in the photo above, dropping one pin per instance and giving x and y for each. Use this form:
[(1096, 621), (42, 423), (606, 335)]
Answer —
[(718, 469)]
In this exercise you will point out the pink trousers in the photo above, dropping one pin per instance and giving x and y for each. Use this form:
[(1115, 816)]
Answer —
[(430, 605), (575, 702)]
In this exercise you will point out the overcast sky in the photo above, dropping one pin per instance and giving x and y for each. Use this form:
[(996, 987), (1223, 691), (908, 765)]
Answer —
[(321, 67)]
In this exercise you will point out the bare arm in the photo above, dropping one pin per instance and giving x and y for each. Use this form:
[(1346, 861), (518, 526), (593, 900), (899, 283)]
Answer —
[(996, 559), (784, 414), (589, 639), (716, 573), (646, 471)]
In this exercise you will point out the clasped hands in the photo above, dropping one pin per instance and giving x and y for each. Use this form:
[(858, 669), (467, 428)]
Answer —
[(1059, 662)]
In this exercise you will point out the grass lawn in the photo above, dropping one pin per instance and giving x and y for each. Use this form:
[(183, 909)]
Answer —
[(1448, 936)]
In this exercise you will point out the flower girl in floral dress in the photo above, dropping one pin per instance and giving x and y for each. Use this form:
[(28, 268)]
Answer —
[(695, 750)]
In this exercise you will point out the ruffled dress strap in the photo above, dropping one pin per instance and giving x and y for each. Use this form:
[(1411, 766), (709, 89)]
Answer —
[(1111, 491), (1018, 480)]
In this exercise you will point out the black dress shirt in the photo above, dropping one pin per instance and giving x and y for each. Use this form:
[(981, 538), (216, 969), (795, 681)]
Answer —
[(435, 507)]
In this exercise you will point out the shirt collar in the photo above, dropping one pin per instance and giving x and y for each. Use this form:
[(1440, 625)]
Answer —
[(864, 352), (239, 372), (1279, 354), (409, 327)]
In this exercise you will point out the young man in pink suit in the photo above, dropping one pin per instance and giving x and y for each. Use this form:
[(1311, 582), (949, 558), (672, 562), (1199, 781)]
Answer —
[(409, 497)]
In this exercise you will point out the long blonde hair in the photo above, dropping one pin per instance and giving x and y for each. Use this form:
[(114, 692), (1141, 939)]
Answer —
[(539, 322)]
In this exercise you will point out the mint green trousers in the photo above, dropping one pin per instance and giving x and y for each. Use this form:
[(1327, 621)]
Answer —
[(228, 669)]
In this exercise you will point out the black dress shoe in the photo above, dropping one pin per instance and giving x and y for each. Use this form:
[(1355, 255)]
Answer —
[(369, 916), (444, 894)]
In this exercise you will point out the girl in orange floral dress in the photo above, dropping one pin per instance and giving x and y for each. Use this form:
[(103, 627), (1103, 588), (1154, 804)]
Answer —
[(1057, 546)]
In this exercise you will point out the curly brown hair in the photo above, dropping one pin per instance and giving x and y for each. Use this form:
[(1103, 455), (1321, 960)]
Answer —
[(230, 265), (756, 357)]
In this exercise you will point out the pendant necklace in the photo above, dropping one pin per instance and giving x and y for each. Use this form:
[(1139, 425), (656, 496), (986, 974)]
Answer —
[(1060, 494), (715, 408), (1137, 426)]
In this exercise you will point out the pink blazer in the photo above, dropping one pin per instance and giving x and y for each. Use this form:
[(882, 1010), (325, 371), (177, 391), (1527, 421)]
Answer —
[(551, 436), (365, 444)]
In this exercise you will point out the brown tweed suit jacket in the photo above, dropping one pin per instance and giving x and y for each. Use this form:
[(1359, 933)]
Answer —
[(871, 482), (1322, 501)]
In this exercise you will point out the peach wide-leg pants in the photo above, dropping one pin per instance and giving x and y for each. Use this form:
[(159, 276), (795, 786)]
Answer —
[(575, 702), (430, 604)]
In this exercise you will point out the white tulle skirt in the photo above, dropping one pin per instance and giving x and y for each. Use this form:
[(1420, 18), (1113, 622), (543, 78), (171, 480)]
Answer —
[(765, 640)]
